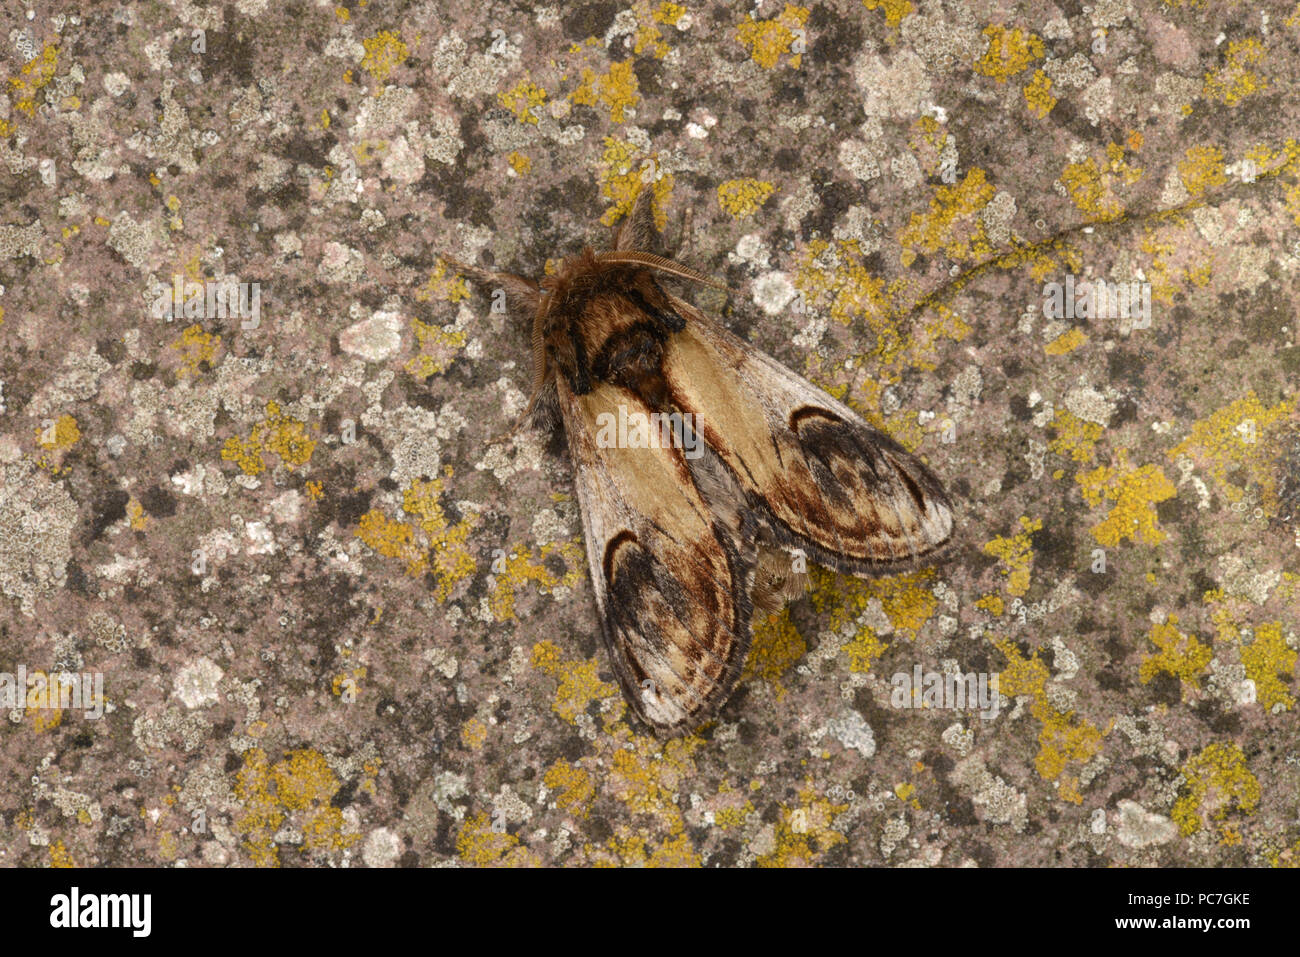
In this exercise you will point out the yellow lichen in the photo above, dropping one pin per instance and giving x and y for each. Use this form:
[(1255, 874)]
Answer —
[(443, 285), (136, 516), (348, 682), (1216, 780), (278, 435), (776, 647), (894, 10), (1016, 555), (1181, 655), (63, 433), (1090, 192), (1240, 438), (865, 649), (1038, 94), (48, 692), (384, 53), (479, 845), (438, 348), (299, 788), (669, 13), (905, 599), (743, 197), (430, 544), (646, 775), (1265, 658), (577, 682), (1008, 52), (1066, 342), (804, 832), (734, 814), (196, 347), (519, 566), (769, 40), (1075, 437), (60, 856), (1201, 169), (35, 74), (522, 99), (623, 174), (520, 163), (1064, 740), (473, 734), (393, 539), (1135, 493), (1236, 79), (648, 37), (953, 223), (618, 90), (574, 786), (991, 603), (632, 850), (834, 278)]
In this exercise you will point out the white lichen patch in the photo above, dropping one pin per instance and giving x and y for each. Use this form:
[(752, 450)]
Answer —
[(376, 339), (196, 684), (999, 801), (851, 730), (37, 517), (1139, 827), (773, 292)]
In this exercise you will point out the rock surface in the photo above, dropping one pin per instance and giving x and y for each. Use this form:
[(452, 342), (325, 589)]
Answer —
[(342, 614)]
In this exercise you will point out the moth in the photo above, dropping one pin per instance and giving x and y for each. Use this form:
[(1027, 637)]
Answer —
[(706, 471)]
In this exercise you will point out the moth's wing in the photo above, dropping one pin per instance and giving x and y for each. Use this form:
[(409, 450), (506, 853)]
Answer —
[(823, 479), (671, 571)]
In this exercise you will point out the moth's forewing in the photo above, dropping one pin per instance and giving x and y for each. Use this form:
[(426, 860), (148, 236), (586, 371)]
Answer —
[(821, 477), (670, 576)]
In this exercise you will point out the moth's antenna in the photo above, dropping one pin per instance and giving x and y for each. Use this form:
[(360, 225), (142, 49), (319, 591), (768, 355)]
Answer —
[(539, 349), (657, 262)]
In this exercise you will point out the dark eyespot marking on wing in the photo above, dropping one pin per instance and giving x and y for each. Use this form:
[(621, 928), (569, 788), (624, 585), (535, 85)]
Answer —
[(811, 412), (612, 547), (909, 483)]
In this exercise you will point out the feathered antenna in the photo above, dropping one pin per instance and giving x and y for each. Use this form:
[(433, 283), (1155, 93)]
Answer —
[(652, 261)]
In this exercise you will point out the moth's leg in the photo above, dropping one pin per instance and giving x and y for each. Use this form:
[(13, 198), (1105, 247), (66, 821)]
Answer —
[(638, 230), (685, 236), (521, 294)]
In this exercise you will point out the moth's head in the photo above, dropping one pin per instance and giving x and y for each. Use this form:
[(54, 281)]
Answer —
[(590, 296), (557, 302)]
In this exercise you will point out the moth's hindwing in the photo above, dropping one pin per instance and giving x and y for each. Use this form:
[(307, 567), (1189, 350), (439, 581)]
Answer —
[(816, 474), (671, 571)]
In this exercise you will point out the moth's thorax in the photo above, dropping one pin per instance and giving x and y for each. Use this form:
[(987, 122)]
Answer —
[(607, 323)]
